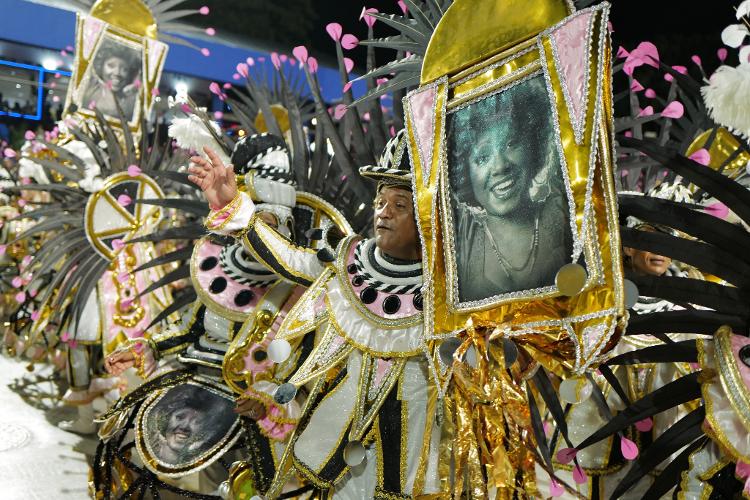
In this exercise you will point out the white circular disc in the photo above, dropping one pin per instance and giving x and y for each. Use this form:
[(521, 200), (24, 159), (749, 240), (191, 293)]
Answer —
[(354, 453), (279, 350), (631, 293), (575, 390)]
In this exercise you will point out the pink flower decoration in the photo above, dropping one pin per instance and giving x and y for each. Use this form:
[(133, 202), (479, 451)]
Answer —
[(300, 52), (204, 10), (20, 297), (57, 75), (628, 133), (647, 111), (17, 282), (215, 88), (636, 86), (348, 65), (236, 76), (645, 53), (645, 425), (403, 7), (9, 153), (261, 59), (312, 63), (185, 108), (123, 277), (349, 41), (73, 344), (579, 475), (27, 260), (155, 92), (722, 54), (22, 202), (621, 52), (628, 448), (555, 490), (347, 86), (680, 69), (696, 60), (3, 249), (218, 115), (210, 31), (283, 58), (292, 61), (650, 93), (63, 53), (29, 135), (339, 111), (69, 48), (334, 31), (134, 170), (226, 86), (566, 455), (118, 244), (381, 81), (250, 61), (668, 77), (674, 110), (205, 52), (369, 20), (33, 293), (701, 156), (35, 316), (56, 98), (65, 336), (243, 69), (275, 60), (718, 209), (124, 200)]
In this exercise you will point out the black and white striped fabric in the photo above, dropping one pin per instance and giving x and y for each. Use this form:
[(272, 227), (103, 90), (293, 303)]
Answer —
[(265, 154), (384, 273), (240, 266), (393, 166)]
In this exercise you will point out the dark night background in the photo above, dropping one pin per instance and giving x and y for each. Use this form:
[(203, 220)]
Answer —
[(679, 28)]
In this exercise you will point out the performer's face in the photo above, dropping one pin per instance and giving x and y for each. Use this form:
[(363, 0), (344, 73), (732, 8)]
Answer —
[(500, 168), (395, 227), (183, 425), (115, 70), (646, 262)]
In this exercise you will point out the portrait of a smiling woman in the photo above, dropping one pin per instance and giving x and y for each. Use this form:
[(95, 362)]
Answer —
[(508, 203)]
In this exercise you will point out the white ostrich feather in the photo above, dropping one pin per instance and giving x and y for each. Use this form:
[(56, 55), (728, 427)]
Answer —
[(191, 134), (727, 97)]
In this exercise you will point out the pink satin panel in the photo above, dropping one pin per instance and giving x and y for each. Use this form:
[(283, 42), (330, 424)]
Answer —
[(422, 105), (226, 298)]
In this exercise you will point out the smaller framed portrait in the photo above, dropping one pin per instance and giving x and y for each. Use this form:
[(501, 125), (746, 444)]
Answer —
[(185, 427), (114, 68)]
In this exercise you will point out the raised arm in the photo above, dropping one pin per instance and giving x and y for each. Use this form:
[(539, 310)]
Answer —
[(233, 212)]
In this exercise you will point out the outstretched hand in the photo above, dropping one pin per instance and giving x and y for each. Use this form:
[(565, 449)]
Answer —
[(119, 361), (215, 179)]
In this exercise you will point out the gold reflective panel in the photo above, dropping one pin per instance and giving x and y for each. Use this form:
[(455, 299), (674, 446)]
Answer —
[(131, 15), (723, 147), (282, 118), (469, 31)]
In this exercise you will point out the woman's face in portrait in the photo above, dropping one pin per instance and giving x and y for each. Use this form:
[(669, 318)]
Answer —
[(115, 70), (500, 170)]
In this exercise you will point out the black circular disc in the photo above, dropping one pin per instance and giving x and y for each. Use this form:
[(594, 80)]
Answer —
[(368, 295), (358, 280), (284, 393), (391, 304), (418, 301), (351, 268), (745, 355), (244, 298), (208, 263), (260, 355), (218, 285)]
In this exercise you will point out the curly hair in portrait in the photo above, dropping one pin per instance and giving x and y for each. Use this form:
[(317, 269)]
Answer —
[(109, 50), (519, 116)]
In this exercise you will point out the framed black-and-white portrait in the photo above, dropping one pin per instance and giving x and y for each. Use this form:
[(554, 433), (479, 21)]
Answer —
[(114, 67), (186, 425), (113, 77), (508, 212)]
